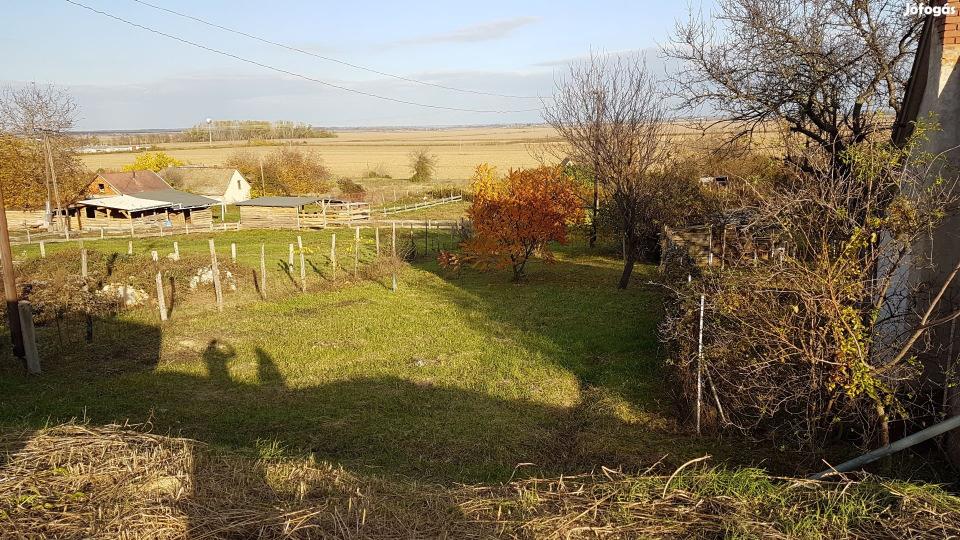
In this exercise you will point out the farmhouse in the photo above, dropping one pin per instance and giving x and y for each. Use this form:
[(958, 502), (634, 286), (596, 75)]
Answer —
[(138, 199), (225, 185), (300, 212)]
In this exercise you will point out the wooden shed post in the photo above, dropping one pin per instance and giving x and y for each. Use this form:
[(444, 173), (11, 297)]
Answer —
[(216, 275), (298, 224), (133, 233)]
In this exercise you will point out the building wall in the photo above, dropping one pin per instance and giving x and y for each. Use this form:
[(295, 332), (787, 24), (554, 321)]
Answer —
[(238, 189), (93, 190), (936, 256)]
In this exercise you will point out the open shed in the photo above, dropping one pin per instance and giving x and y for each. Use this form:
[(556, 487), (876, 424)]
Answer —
[(167, 207), (300, 212)]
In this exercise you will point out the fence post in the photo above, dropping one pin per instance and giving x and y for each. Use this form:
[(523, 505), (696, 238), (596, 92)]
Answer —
[(700, 362), (161, 297), (216, 275), (129, 247), (333, 253), (176, 250), (426, 239), (233, 251), (303, 266), (83, 262), (101, 233), (154, 256), (356, 250), (393, 238), (29, 337), (186, 226), (377, 240), (43, 250), (28, 235), (290, 257), (263, 271)]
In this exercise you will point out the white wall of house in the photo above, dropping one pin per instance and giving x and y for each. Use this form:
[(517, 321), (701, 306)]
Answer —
[(237, 190)]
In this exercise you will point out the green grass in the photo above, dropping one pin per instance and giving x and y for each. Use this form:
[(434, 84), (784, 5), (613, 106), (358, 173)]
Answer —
[(451, 378)]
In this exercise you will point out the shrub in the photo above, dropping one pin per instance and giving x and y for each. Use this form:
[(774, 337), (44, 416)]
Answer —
[(153, 161), (349, 187), (518, 216), (423, 164)]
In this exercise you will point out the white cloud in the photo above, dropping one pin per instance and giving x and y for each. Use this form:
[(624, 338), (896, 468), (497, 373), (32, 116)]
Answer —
[(479, 32)]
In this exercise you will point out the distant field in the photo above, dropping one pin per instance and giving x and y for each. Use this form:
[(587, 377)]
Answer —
[(352, 153)]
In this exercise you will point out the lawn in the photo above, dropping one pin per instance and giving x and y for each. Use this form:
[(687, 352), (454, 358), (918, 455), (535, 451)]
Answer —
[(463, 377)]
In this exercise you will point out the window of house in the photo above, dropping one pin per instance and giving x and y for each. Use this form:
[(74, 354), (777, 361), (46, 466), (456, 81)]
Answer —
[(91, 212), (238, 183), (101, 187)]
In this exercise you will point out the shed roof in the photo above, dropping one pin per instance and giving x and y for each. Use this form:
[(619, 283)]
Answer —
[(202, 180), (129, 183), (126, 202), (280, 202), (177, 199)]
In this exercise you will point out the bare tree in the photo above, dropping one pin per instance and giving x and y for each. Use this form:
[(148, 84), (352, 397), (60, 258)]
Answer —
[(40, 113), (831, 71), (610, 111)]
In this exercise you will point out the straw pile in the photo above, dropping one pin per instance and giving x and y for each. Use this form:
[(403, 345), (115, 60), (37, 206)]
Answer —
[(77, 481)]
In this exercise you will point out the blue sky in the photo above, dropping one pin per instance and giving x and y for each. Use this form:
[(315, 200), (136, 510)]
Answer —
[(128, 78)]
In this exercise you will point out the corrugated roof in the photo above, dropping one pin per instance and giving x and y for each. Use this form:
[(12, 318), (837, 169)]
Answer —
[(126, 202), (129, 183), (202, 180), (282, 202), (178, 199)]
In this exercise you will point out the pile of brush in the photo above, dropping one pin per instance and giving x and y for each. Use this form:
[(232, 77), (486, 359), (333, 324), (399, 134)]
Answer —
[(77, 481)]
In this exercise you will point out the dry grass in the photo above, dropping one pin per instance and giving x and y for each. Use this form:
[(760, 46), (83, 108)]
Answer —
[(80, 481)]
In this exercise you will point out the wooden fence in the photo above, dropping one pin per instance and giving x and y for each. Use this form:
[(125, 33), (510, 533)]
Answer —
[(418, 206)]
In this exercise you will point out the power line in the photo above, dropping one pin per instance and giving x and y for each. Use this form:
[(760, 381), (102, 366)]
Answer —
[(327, 58), (291, 73)]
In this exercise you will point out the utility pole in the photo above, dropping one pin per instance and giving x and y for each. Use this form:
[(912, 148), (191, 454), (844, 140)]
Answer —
[(10, 284), (263, 184), (56, 189)]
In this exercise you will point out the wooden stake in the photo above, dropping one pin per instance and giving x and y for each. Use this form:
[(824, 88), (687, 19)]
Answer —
[(233, 251), (129, 247), (43, 250), (216, 275), (83, 262), (101, 233), (356, 251), (263, 271), (31, 354), (28, 235), (290, 258), (154, 256), (393, 238), (303, 266), (333, 253), (377, 237), (161, 298), (176, 251), (700, 362)]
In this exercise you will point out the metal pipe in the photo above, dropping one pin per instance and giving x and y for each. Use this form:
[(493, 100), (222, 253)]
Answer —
[(902, 444)]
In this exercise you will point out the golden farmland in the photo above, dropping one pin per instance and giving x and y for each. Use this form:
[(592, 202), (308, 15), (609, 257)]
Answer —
[(352, 153)]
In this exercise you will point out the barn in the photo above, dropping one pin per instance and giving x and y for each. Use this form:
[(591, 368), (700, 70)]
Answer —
[(225, 185)]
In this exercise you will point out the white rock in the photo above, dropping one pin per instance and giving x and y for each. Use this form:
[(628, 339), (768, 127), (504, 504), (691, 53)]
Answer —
[(128, 295)]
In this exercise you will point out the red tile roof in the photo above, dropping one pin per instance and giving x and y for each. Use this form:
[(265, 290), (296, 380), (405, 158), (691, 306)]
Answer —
[(128, 183)]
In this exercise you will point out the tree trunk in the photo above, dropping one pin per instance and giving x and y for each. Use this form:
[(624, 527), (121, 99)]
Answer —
[(628, 263), (595, 209)]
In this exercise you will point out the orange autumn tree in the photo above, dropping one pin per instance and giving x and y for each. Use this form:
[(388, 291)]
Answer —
[(516, 217)]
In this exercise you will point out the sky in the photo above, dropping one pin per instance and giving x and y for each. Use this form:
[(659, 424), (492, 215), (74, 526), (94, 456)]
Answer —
[(124, 77)]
